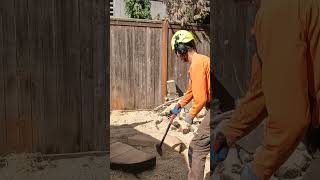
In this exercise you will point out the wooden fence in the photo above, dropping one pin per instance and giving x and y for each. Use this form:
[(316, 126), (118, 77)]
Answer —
[(136, 58), (230, 26), (53, 76)]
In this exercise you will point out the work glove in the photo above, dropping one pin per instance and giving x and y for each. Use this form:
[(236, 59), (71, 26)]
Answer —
[(218, 151), (176, 110)]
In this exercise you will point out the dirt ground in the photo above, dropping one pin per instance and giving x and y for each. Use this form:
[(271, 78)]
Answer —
[(172, 165), (27, 167)]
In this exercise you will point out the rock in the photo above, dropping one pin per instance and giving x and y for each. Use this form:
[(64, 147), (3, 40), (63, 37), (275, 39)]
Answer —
[(202, 113), (176, 124), (127, 158), (171, 90), (232, 164), (301, 147), (245, 157), (185, 128), (173, 128), (288, 172), (166, 112), (295, 165)]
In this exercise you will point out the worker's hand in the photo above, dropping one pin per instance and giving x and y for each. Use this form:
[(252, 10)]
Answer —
[(176, 110), (188, 119)]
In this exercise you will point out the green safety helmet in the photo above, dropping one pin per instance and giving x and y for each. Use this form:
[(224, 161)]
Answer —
[(181, 36)]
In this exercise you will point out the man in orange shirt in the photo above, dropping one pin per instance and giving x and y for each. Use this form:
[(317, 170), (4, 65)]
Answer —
[(199, 91), (285, 84)]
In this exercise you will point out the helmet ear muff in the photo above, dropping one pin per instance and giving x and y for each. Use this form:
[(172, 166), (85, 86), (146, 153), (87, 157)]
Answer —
[(181, 48)]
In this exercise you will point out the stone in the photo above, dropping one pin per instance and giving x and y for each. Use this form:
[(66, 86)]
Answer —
[(245, 157), (288, 172), (167, 110), (172, 90), (129, 159), (176, 124), (185, 128), (295, 165), (202, 113), (232, 164)]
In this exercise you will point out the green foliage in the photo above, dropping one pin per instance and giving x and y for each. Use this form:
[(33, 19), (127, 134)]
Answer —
[(188, 11), (140, 9)]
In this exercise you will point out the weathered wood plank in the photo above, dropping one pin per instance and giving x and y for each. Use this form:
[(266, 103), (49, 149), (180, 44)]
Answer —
[(70, 92), (10, 65), (87, 83), (3, 135), (61, 59), (24, 76), (127, 79), (99, 66), (36, 73)]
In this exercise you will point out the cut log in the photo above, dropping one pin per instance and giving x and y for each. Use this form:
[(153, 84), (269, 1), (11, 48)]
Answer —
[(129, 159)]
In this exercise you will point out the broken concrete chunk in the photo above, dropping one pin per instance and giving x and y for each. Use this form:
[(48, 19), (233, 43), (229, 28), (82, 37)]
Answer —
[(171, 90), (127, 158), (232, 163), (166, 112), (288, 172), (245, 157), (185, 128), (202, 113), (176, 124)]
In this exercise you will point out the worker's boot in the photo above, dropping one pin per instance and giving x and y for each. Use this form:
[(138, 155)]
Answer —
[(248, 173)]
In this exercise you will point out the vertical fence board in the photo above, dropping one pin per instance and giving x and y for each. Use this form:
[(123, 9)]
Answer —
[(100, 73), (24, 76), (3, 135), (10, 65), (87, 82), (60, 47), (49, 141), (36, 74)]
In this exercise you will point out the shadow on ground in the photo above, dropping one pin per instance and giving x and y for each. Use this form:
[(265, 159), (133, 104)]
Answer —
[(171, 165)]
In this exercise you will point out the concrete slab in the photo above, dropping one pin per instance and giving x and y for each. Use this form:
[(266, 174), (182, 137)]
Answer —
[(129, 159), (145, 140)]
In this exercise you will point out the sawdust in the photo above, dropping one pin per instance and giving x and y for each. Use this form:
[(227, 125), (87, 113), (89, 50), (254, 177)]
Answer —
[(31, 167), (171, 165)]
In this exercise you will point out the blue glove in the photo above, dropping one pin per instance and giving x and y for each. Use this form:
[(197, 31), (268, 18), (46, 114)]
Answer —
[(176, 110), (217, 157), (218, 151)]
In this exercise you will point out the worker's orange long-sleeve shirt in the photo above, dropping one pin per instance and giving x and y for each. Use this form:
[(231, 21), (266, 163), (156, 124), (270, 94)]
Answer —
[(199, 84)]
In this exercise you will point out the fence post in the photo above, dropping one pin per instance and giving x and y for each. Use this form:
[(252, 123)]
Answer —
[(164, 61)]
